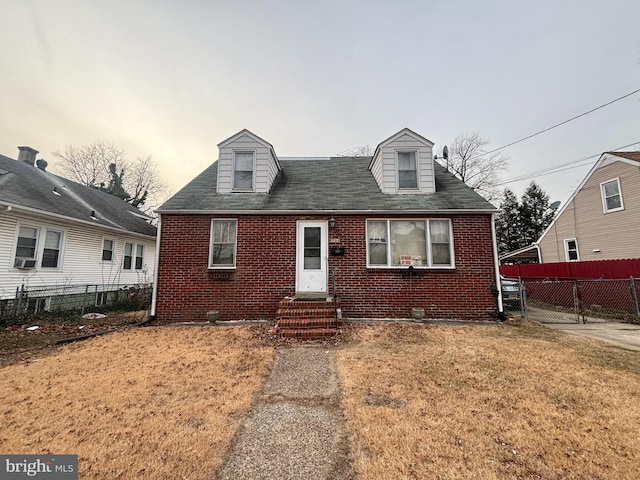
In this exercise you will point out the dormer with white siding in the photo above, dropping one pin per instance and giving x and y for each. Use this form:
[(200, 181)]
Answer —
[(403, 164), (246, 164)]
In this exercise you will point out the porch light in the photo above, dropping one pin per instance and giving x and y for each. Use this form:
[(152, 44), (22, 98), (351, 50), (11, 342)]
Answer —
[(332, 223)]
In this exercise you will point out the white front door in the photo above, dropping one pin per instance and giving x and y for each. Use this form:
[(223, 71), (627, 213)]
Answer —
[(311, 257)]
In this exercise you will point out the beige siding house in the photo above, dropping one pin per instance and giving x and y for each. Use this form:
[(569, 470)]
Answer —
[(601, 219)]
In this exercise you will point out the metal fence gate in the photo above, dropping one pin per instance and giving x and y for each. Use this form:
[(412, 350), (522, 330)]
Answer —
[(579, 301)]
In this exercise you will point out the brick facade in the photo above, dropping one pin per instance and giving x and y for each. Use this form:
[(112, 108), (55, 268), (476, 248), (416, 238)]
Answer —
[(266, 271)]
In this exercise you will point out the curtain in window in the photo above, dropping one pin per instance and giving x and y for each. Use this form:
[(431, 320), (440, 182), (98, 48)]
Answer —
[(408, 243), (243, 170), (440, 244), (407, 171), (377, 242), (128, 254)]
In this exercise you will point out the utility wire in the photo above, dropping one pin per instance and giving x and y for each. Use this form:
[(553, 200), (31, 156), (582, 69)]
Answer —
[(560, 168), (556, 125)]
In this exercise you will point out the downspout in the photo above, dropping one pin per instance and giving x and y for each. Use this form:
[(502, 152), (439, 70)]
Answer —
[(154, 294), (496, 262)]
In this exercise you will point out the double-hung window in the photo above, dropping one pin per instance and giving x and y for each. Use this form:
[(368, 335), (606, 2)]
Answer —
[(133, 257), (222, 250), (27, 243), (107, 250), (127, 259), (611, 196), (139, 256), (51, 251), (243, 170), (402, 243), (407, 170), (33, 243), (571, 250)]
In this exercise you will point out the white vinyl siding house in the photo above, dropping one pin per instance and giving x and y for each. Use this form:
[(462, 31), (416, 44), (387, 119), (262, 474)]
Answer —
[(403, 164), (67, 253), (602, 215)]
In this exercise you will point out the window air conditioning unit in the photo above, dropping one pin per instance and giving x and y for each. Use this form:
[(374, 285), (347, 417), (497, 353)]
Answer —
[(24, 263)]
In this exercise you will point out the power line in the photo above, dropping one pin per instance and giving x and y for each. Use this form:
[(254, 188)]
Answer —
[(557, 125), (559, 168)]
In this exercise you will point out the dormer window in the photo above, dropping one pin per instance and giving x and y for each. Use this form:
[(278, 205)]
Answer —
[(407, 170), (243, 171)]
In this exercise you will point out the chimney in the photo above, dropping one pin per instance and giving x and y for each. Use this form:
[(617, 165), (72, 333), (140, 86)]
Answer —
[(27, 155), (42, 164)]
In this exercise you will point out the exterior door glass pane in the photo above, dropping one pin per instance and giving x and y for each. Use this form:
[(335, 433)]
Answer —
[(312, 248)]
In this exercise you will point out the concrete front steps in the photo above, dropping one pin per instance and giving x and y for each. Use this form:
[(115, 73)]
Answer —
[(307, 318)]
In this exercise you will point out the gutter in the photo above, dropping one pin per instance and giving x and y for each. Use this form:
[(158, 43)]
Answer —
[(327, 212)]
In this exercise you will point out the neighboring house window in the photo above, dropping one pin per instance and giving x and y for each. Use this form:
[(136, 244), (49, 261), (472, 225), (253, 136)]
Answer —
[(107, 250), (407, 170), (139, 256), (611, 195), (51, 251), (128, 256), (571, 250), (27, 243), (222, 252), (243, 163), (403, 243)]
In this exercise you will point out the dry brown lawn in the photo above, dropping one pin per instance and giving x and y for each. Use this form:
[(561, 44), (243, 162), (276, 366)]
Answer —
[(153, 403), (489, 402)]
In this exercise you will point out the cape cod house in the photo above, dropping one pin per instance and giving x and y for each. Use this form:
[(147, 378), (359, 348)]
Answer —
[(383, 235), (56, 234)]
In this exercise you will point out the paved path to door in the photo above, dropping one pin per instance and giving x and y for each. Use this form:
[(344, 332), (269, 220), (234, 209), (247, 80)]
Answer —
[(296, 428), (623, 335)]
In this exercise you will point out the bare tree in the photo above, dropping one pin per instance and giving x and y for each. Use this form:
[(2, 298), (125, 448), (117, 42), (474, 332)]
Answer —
[(469, 163), (104, 166)]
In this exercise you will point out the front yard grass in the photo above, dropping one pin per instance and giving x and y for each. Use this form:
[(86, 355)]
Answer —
[(420, 401), (152, 403), (490, 402)]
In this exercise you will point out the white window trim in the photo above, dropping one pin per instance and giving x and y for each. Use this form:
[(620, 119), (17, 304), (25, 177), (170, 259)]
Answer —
[(63, 236), (134, 250), (235, 246), (430, 266), (566, 249), (417, 153), (40, 242), (233, 172), (113, 250), (604, 198)]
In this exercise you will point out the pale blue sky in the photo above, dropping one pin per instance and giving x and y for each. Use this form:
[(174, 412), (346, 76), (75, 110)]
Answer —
[(172, 79)]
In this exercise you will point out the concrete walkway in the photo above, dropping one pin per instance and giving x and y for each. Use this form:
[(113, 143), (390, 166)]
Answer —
[(296, 428), (623, 335)]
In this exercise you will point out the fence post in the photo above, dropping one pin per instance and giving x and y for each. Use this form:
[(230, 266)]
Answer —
[(84, 300), (634, 296), (523, 298), (577, 302)]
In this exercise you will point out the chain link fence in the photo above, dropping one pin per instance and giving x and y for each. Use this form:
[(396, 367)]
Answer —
[(118, 304), (577, 301)]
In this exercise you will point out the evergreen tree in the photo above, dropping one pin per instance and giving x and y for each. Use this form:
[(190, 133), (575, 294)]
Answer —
[(115, 186), (535, 214), (508, 223)]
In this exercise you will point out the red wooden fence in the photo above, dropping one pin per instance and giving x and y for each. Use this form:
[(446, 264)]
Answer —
[(613, 269)]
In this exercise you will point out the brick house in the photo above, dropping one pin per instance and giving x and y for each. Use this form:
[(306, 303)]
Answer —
[(384, 234)]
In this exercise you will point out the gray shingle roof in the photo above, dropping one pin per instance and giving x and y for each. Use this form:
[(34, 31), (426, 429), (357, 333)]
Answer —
[(23, 185), (336, 184)]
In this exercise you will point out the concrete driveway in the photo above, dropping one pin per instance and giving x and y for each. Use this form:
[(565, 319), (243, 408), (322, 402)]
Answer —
[(624, 335)]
